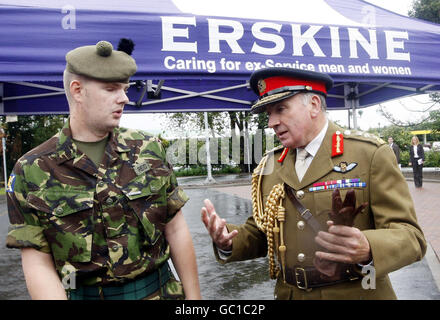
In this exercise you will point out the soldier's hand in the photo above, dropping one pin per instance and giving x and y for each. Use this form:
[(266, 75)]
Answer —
[(344, 244), (217, 227)]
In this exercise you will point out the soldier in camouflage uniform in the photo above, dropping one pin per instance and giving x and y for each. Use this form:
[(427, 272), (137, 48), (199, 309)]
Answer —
[(96, 208)]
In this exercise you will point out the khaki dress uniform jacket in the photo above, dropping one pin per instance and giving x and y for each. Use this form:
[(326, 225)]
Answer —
[(389, 221)]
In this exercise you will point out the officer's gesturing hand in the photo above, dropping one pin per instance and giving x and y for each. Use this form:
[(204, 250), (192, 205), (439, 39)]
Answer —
[(216, 227)]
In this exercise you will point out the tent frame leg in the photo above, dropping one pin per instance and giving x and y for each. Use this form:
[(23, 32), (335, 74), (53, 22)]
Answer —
[(351, 100)]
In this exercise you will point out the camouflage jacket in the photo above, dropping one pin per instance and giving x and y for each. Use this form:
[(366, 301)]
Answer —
[(104, 223)]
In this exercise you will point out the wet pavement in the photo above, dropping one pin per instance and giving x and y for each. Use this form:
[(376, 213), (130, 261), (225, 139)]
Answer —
[(12, 284), (239, 280), (244, 280)]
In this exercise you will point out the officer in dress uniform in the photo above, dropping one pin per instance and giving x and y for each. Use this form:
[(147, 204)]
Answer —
[(327, 205), (96, 209)]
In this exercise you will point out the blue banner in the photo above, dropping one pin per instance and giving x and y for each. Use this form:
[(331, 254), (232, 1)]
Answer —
[(352, 41)]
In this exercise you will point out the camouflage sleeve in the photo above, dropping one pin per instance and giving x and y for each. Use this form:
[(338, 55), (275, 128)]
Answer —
[(176, 197), (25, 230)]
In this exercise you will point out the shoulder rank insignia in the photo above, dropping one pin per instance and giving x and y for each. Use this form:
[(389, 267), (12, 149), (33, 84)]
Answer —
[(344, 167), (337, 144)]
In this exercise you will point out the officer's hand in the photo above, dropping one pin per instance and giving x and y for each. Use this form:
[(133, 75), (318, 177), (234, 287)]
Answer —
[(217, 227), (344, 244)]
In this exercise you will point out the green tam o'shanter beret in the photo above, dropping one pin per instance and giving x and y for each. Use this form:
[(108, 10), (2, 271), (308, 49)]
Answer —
[(101, 62)]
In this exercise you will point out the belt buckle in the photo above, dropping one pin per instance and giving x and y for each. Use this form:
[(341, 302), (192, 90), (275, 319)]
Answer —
[(298, 283)]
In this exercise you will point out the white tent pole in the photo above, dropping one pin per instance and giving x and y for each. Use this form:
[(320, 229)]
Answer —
[(4, 161), (354, 114), (209, 178), (352, 100), (355, 102), (347, 102), (246, 141), (3, 135)]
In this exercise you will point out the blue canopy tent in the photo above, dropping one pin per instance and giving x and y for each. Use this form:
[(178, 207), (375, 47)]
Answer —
[(197, 56)]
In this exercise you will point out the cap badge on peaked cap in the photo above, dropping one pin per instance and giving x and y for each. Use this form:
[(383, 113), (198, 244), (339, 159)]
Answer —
[(261, 85)]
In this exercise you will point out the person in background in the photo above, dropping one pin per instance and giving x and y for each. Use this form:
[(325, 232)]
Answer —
[(395, 149), (96, 209), (416, 160)]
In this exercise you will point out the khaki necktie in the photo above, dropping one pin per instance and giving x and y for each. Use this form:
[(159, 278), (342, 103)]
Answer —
[(300, 165)]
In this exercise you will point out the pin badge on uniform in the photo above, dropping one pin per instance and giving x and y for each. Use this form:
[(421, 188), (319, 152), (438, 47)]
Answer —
[(134, 193), (344, 167)]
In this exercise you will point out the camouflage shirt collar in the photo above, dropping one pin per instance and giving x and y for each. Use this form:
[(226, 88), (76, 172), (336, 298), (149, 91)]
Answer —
[(67, 150), (117, 142)]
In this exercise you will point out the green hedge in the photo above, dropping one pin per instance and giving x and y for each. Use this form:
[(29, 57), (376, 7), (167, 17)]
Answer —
[(432, 159), (201, 171), (404, 158)]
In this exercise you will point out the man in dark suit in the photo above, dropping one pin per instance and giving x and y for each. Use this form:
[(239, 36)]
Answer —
[(395, 149)]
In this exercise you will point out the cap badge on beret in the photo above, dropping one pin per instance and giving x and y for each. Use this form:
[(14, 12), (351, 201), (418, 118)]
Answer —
[(261, 86)]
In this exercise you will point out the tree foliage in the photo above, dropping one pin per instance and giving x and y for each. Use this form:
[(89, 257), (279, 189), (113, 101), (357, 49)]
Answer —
[(426, 10), (429, 10), (27, 133), (401, 136), (193, 122)]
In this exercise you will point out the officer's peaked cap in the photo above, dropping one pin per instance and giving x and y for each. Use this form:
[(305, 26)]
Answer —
[(275, 84)]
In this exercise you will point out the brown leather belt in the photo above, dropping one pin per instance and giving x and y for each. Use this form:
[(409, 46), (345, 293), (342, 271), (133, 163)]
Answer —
[(309, 277)]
